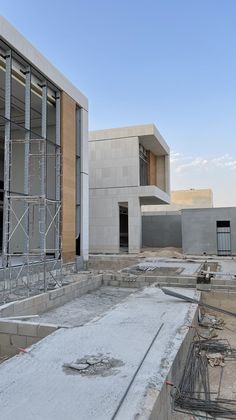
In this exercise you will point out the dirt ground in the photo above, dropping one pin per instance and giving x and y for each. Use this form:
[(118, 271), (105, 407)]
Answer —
[(170, 252)]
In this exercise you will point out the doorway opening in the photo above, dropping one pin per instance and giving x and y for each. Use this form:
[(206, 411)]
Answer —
[(223, 237), (124, 227)]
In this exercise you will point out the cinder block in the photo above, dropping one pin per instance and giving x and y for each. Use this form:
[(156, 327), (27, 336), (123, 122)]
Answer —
[(5, 340), (8, 311), (106, 282), (187, 281), (114, 283), (141, 284), (18, 340), (9, 327), (32, 340), (46, 329), (107, 277), (124, 284), (8, 351), (56, 293), (28, 329)]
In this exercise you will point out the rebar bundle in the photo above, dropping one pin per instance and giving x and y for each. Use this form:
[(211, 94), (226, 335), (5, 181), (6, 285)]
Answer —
[(193, 393)]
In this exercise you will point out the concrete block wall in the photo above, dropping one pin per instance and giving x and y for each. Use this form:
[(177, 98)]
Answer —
[(111, 262), (219, 299), (162, 230), (199, 229), (163, 405), (36, 274), (14, 334), (133, 281), (17, 334), (46, 301)]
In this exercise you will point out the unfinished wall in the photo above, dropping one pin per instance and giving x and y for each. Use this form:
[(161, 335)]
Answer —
[(162, 230), (199, 229), (68, 180), (17, 334)]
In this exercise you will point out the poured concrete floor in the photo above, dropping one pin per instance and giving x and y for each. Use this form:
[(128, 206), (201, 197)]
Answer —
[(136, 341), (85, 308), (165, 266)]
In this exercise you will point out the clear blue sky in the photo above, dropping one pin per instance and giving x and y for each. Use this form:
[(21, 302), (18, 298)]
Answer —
[(170, 62)]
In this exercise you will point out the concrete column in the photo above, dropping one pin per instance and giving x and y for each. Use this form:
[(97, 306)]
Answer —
[(84, 244), (135, 225)]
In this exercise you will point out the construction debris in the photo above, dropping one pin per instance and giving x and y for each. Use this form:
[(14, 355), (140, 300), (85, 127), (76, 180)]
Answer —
[(193, 394), (211, 321), (94, 365), (215, 359)]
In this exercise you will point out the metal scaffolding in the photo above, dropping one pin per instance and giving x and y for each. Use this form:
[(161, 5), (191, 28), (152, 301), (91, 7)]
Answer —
[(32, 213)]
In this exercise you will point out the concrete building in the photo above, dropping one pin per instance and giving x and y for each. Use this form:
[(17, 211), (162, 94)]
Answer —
[(43, 158), (184, 199), (129, 167), (162, 225), (209, 231)]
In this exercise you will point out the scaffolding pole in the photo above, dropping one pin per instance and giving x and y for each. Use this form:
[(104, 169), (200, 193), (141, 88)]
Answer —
[(7, 163), (20, 207)]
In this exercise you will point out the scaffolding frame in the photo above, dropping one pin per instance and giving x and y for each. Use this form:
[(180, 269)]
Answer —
[(48, 220)]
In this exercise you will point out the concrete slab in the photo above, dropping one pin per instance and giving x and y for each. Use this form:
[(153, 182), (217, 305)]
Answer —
[(156, 265), (83, 309), (38, 386)]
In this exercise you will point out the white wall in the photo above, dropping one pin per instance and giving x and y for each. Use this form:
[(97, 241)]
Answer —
[(114, 163), (104, 233)]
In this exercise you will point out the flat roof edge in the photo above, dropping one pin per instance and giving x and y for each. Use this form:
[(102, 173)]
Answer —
[(210, 208), (129, 131), (18, 42)]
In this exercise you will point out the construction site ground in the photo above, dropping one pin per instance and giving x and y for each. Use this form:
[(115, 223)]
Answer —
[(114, 326), (113, 366), (92, 305)]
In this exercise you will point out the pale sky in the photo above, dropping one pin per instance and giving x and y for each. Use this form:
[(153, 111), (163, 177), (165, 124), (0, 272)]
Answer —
[(167, 62)]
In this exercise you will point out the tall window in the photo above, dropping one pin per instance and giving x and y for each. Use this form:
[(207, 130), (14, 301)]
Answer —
[(143, 165)]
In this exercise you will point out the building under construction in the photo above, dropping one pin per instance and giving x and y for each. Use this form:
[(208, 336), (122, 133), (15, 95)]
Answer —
[(43, 165)]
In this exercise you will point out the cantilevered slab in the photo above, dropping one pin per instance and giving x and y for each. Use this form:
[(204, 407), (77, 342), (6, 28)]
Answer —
[(148, 134), (37, 386)]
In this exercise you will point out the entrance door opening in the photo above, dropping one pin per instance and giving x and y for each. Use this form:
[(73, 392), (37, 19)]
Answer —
[(223, 237), (124, 228)]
